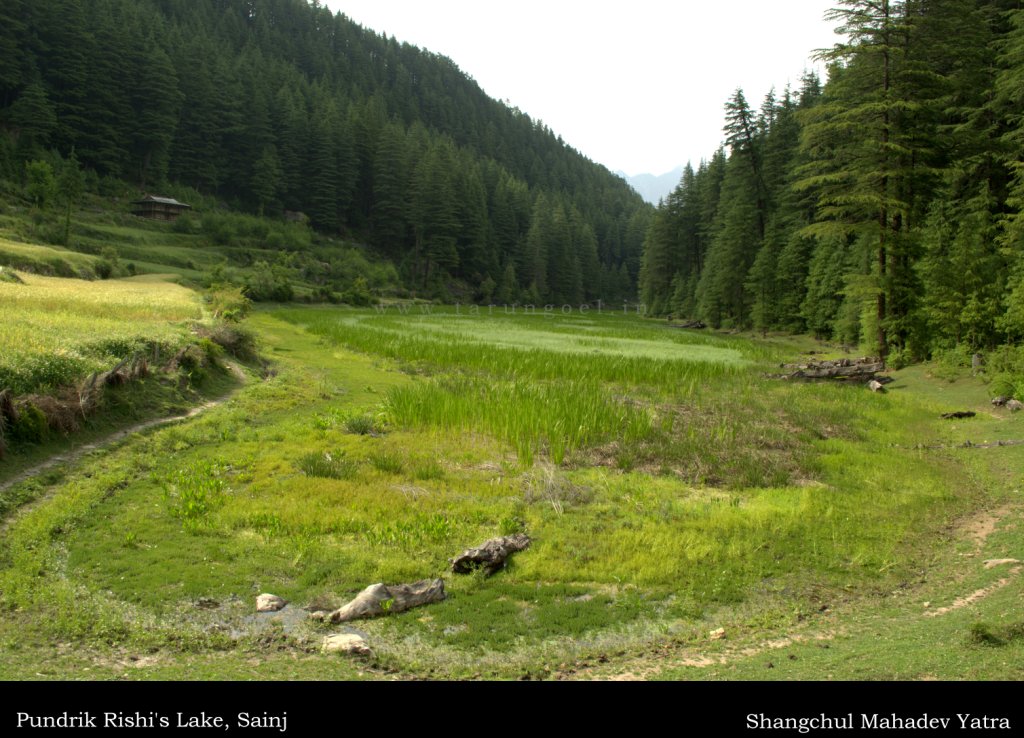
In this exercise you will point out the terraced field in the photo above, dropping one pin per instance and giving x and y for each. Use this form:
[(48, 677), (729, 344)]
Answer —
[(54, 330)]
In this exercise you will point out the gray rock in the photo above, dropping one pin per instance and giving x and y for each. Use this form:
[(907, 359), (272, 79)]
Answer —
[(348, 643), (269, 603)]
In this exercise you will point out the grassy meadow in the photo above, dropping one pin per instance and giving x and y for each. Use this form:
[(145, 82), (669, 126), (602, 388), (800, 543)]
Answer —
[(54, 330), (669, 489)]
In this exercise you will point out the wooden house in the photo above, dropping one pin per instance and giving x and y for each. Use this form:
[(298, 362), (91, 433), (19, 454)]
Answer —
[(159, 208)]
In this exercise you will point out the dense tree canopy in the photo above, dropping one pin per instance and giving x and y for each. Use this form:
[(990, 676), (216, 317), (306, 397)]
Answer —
[(881, 208), (275, 105)]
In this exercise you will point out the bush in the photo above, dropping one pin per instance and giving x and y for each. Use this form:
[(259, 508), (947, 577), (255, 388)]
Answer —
[(187, 225), (11, 277), (268, 283), (228, 303), (387, 462), (1006, 365), (1003, 385), (237, 341), (899, 359), (950, 364), (40, 184), (360, 425), (104, 269), (31, 426), (328, 465), (219, 229), (358, 294)]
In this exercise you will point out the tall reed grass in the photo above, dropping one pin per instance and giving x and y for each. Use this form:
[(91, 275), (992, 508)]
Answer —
[(533, 417)]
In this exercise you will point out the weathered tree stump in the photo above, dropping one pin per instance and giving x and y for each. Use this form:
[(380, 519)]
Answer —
[(383, 599), (491, 555)]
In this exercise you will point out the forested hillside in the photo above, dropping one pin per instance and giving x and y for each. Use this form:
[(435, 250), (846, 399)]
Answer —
[(881, 208), (275, 105)]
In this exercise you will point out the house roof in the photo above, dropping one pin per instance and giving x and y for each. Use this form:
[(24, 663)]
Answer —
[(161, 200)]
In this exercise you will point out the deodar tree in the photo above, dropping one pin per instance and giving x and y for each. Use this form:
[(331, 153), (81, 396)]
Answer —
[(860, 146)]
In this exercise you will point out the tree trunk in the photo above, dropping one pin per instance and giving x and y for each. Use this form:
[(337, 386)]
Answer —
[(491, 555), (381, 599)]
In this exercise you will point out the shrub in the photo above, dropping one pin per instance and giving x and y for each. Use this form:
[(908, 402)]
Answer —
[(268, 283), (951, 363), (327, 465), (187, 225), (40, 184), (228, 303), (104, 269), (387, 462), (219, 229), (360, 425), (1002, 385), (359, 294), (6, 275), (31, 426), (237, 341)]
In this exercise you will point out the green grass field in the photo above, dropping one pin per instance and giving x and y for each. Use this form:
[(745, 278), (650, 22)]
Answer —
[(55, 331), (668, 487)]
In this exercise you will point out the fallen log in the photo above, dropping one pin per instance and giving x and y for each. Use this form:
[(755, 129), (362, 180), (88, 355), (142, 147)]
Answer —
[(959, 415), (693, 325), (491, 555), (382, 599)]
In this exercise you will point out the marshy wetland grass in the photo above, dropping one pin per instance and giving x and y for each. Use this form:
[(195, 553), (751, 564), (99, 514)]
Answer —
[(670, 490)]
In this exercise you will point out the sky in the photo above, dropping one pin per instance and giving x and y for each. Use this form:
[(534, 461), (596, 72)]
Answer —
[(637, 85)]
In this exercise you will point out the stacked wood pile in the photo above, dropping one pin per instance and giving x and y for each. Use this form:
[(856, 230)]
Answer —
[(845, 369)]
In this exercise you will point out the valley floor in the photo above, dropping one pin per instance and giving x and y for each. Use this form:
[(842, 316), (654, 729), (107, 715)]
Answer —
[(690, 519)]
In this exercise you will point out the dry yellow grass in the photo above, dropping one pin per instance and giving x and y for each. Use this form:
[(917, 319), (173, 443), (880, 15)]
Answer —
[(52, 329)]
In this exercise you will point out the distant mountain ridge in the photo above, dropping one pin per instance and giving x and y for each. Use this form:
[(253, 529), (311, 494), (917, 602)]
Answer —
[(653, 188)]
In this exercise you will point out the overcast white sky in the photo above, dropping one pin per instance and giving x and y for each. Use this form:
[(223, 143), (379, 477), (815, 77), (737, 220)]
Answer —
[(636, 85)]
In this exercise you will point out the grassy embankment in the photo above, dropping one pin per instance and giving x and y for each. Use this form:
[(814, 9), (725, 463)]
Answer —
[(60, 338), (669, 488)]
